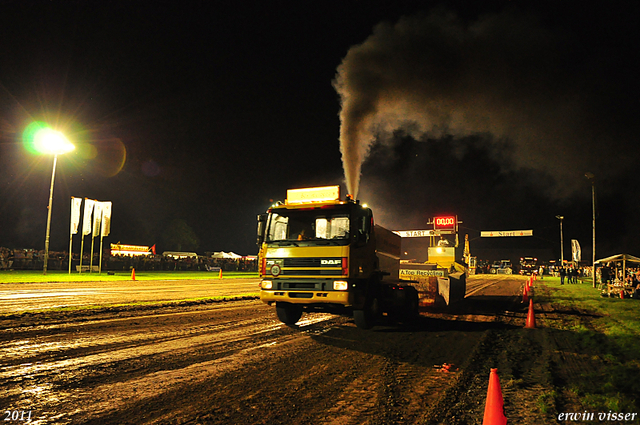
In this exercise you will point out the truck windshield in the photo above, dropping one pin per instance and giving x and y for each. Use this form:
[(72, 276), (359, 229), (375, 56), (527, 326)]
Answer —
[(296, 225)]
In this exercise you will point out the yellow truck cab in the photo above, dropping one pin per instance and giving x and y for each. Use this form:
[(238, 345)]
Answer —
[(318, 252)]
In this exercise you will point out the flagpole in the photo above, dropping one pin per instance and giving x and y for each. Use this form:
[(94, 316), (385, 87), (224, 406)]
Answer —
[(70, 251), (71, 236), (81, 251), (91, 261), (100, 263), (592, 179)]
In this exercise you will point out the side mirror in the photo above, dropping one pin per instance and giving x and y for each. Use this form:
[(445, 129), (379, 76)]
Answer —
[(262, 221)]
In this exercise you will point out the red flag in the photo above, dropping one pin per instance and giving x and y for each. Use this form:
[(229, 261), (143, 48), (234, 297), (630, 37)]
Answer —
[(153, 249)]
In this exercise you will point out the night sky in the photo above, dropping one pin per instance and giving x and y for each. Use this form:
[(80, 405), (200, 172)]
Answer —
[(192, 117)]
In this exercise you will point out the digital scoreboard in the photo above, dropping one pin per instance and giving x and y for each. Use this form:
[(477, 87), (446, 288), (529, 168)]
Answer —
[(445, 224)]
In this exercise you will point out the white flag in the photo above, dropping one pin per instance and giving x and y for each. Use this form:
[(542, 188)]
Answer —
[(86, 218), (75, 214), (106, 218), (575, 250), (97, 218)]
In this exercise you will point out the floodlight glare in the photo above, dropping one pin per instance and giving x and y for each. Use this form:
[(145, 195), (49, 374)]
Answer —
[(48, 140)]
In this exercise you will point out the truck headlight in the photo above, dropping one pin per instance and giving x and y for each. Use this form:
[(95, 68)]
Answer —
[(340, 285), (266, 284)]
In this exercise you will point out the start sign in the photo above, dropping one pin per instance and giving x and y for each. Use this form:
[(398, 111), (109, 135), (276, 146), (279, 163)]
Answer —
[(444, 223)]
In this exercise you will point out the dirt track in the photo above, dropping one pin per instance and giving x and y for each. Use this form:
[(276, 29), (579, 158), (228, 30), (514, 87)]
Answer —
[(233, 362)]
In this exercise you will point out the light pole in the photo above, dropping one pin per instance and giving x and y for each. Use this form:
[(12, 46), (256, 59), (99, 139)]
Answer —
[(592, 179), (53, 142), (560, 217)]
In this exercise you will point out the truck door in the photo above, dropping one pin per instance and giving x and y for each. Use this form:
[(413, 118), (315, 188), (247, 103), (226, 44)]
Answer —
[(362, 256)]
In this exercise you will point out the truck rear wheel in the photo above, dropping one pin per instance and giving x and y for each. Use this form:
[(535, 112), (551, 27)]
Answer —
[(412, 306), (368, 316), (289, 314)]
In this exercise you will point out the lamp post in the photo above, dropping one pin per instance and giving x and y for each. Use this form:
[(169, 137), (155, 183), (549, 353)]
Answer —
[(50, 141), (592, 179), (560, 217)]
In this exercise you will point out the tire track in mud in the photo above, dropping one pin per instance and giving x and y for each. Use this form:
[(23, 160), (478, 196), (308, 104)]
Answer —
[(238, 390), (349, 377), (96, 336), (101, 365)]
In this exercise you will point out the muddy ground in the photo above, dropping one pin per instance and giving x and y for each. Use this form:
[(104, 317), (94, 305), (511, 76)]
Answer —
[(232, 362)]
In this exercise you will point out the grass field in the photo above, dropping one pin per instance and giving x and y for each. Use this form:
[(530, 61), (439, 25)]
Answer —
[(20, 276), (604, 336), (619, 318)]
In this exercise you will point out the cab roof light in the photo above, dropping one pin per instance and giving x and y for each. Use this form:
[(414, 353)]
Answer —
[(313, 194)]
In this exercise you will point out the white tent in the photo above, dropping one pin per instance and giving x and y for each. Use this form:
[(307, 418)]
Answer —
[(618, 258), (176, 254), (222, 254), (623, 258)]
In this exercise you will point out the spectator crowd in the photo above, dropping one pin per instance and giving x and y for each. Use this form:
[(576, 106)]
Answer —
[(617, 282), (29, 259)]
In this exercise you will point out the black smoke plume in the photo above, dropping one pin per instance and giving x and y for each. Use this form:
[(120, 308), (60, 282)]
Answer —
[(544, 91)]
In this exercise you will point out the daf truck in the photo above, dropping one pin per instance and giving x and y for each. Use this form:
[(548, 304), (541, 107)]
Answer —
[(319, 252), (528, 265)]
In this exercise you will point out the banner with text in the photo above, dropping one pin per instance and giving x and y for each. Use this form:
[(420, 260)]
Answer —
[(417, 233), (505, 233)]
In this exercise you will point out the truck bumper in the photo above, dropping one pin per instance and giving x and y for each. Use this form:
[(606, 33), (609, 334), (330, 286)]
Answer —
[(307, 297)]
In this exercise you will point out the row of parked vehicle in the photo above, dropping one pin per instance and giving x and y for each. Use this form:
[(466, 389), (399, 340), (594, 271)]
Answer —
[(527, 266)]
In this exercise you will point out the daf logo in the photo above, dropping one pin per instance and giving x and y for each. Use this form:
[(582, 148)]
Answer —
[(330, 262)]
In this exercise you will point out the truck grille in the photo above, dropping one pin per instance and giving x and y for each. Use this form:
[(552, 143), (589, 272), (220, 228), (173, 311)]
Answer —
[(305, 272), (308, 266), (311, 262)]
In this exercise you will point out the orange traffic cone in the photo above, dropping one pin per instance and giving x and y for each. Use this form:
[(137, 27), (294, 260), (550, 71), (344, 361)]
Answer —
[(220, 275), (525, 294), (531, 318), (133, 274), (494, 408)]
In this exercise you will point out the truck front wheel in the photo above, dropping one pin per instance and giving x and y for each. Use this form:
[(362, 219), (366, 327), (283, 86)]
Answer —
[(289, 314), (368, 316)]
